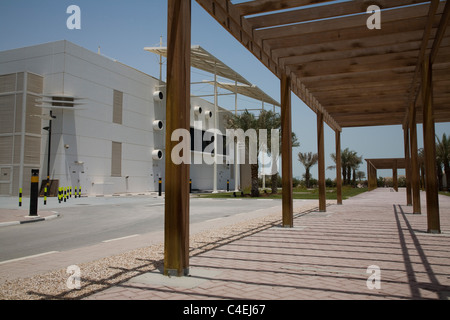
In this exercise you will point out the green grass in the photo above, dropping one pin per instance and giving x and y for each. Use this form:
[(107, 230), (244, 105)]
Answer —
[(298, 193), (445, 193)]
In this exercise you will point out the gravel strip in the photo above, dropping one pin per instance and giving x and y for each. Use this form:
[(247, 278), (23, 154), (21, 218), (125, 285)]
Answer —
[(107, 272)]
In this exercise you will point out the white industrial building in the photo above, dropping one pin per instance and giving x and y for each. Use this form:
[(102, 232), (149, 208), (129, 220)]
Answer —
[(107, 130)]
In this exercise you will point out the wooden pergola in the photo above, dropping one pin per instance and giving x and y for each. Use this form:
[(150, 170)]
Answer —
[(384, 163), (349, 73)]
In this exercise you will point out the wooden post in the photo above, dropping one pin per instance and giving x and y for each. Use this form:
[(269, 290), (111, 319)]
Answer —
[(407, 166), (286, 152), (176, 228), (338, 167), (372, 176), (321, 154), (414, 161), (429, 142)]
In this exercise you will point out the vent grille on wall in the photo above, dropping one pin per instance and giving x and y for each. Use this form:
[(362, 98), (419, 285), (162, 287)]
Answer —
[(58, 102)]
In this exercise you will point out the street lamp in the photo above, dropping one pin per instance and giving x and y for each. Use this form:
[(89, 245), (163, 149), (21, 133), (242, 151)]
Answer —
[(49, 129)]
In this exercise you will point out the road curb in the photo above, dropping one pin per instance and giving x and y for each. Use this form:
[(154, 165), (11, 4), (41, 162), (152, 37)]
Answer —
[(13, 223)]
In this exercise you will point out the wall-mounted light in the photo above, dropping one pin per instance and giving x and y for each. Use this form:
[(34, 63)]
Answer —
[(78, 162), (157, 154), (198, 110), (158, 96), (158, 125)]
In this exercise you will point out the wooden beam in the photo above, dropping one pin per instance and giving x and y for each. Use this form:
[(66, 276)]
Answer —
[(411, 38), (440, 32), (373, 75), (356, 65), (346, 22), (176, 226), (352, 54), (413, 90), (228, 15), (321, 163), (338, 168), (262, 6), (356, 36), (322, 12), (429, 143), (286, 152)]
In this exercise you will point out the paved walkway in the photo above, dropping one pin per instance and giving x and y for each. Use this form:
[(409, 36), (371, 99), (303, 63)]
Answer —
[(372, 247)]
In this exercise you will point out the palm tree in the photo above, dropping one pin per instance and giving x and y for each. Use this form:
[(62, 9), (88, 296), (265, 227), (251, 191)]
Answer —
[(443, 156), (349, 161), (360, 175), (274, 182), (421, 162), (266, 120), (308, 160), (355, 161), (246, 121), (270, 120)]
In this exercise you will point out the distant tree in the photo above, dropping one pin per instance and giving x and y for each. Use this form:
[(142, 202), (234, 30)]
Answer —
[(308, 160), (421, 162), (360, 175), (350, 162)]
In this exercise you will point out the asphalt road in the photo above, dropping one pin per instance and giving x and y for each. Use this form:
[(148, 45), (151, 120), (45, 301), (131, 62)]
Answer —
[(89, 221)]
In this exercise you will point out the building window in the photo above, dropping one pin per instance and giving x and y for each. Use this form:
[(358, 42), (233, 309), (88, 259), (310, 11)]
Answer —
[(116, 159), (117, 106)]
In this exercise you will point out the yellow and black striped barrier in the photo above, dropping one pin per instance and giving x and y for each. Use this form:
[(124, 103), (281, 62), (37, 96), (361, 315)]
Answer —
[(20, 197), (34, 192), (45, 196)]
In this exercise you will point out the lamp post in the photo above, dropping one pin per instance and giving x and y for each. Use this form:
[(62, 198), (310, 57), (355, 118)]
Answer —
[(49, 129)]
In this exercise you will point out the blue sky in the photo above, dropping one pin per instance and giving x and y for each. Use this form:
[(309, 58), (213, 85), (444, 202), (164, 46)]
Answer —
[(123, 28)]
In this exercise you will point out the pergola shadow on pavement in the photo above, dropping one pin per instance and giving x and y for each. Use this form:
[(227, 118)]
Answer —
[(350, 71), (325, 257)]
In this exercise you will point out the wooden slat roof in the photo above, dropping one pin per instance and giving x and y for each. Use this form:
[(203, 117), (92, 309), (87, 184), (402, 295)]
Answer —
[(354, 75)]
